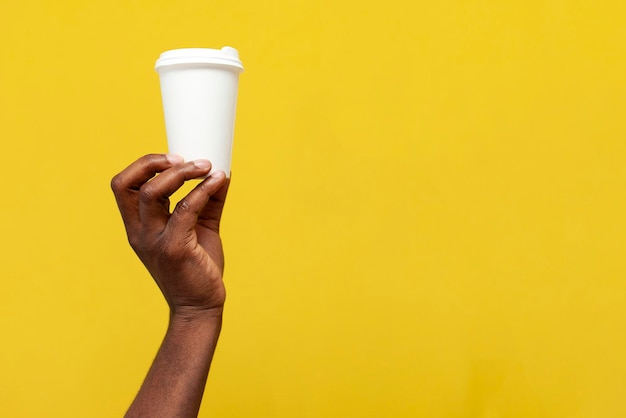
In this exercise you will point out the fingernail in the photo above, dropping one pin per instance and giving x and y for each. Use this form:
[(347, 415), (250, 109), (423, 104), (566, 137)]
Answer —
[(203, 164), (218, 174), (174, 158)]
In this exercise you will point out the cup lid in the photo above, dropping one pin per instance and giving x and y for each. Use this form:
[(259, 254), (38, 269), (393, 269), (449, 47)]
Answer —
[(225, 56)]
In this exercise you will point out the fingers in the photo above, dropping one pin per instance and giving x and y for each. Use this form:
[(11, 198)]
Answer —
[(126, 185), (185, 215), (154, 195)]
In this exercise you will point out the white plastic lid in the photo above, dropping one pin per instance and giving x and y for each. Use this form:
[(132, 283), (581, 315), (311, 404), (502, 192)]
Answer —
[(225, 56)]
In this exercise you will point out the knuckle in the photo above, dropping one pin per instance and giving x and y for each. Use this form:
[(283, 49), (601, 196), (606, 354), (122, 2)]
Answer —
[(183, 207), (147, 193), (117, 184)]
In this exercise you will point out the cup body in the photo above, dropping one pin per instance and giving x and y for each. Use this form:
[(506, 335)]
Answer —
[(199, 92)]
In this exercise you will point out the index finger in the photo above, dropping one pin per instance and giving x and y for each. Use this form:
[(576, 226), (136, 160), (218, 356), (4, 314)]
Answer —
[(127, 183)]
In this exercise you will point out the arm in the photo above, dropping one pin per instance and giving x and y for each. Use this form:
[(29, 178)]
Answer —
[(182, 251)]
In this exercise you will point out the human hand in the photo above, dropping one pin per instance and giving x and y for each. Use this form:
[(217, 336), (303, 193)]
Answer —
[(181, 249)]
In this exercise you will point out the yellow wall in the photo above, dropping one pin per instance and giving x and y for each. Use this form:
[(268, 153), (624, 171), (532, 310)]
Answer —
[(426, 217)]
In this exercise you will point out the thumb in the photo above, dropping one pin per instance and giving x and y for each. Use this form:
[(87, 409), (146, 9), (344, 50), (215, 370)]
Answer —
[(192, 209), (211, 214)]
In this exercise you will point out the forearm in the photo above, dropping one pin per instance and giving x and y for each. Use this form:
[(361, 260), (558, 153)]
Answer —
[(175, 383)]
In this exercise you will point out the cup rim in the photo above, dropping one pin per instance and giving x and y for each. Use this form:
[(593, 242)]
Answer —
[(226, 56)]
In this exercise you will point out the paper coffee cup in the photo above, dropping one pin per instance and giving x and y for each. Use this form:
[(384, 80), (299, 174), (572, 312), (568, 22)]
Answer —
[(199, 92)]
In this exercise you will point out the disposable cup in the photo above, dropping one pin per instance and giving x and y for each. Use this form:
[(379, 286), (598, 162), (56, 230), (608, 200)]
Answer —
[(199, 93)]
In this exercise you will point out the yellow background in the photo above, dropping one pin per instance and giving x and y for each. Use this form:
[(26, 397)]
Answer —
[(426, 217)]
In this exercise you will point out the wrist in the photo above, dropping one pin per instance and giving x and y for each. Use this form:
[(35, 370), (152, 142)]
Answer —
[(196, 328), (192, 315)]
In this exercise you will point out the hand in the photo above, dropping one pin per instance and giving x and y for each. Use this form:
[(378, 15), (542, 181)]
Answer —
[(182, 250)]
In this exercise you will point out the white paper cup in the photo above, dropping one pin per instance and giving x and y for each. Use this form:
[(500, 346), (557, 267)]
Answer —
[(199, 92)]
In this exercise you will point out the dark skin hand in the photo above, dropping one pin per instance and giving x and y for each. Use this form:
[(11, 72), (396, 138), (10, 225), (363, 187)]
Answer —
[(182, 250)]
